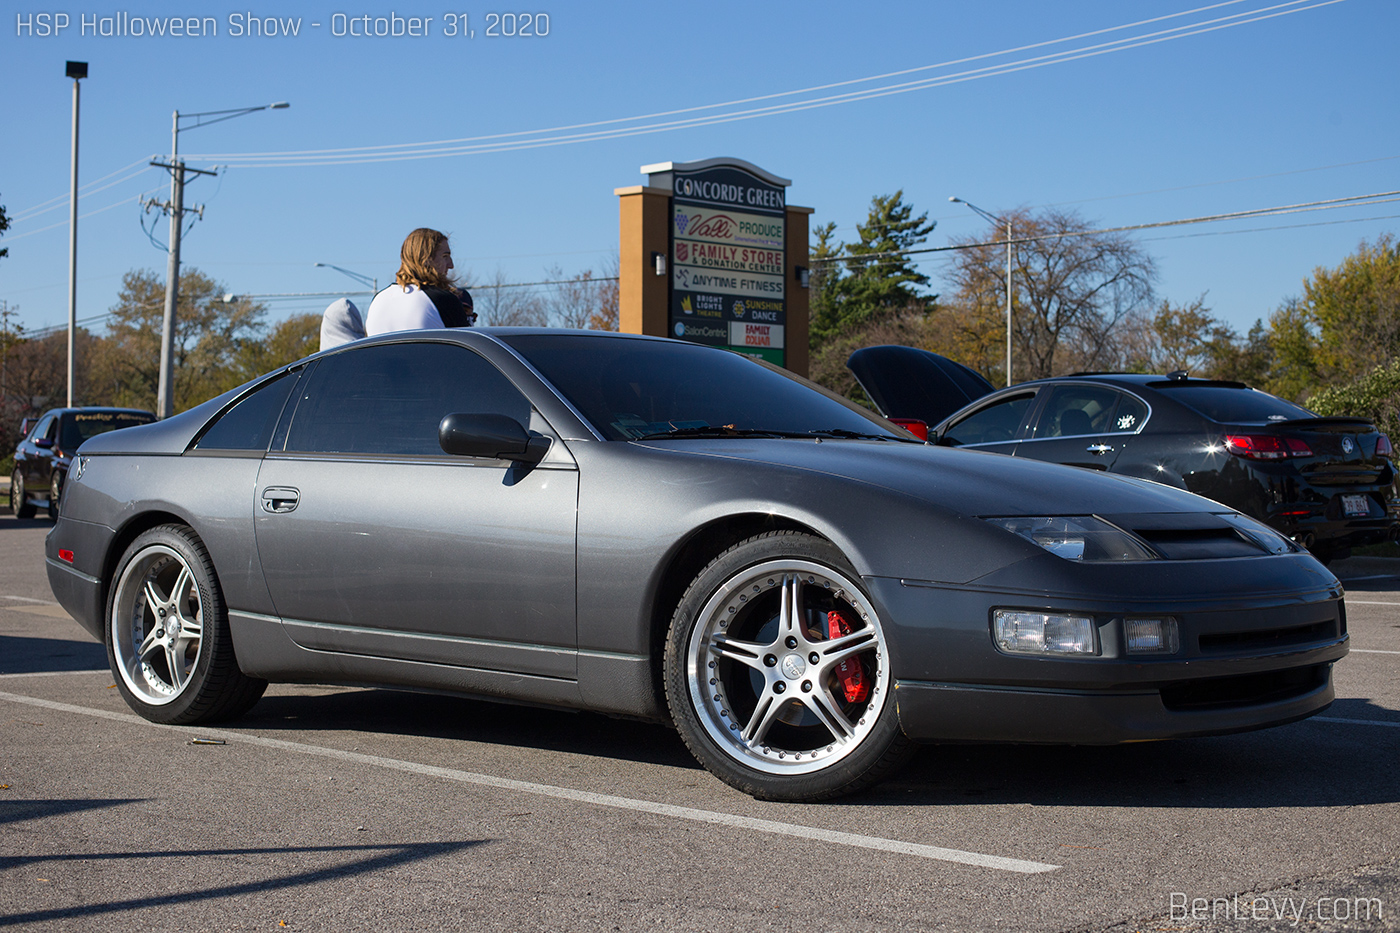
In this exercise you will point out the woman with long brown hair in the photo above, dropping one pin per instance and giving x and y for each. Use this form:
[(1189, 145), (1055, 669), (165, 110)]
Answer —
[(423, 293)]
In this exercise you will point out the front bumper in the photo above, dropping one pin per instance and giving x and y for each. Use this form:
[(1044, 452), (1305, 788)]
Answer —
[(935, 712), (1258, 638)]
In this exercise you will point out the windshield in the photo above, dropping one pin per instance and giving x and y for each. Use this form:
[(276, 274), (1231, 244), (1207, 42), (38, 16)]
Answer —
[(79, 426), (629, 389), (1229, 405)]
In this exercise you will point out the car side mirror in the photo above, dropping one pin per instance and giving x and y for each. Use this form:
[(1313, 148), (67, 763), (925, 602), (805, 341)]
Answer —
[(43, 442), (495, 437), (24, 426)]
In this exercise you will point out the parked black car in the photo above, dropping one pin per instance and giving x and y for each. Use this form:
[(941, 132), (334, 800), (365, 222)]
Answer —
[(1328, 483), (43, 454)]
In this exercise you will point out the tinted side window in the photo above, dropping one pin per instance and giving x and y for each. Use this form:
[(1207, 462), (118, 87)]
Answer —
[(43, 429), (389, 399), (248, 425), (1131, 414), (999, 422), (1072, 411)]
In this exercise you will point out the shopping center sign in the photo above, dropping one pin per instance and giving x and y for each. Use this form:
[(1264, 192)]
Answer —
[(727, 255)]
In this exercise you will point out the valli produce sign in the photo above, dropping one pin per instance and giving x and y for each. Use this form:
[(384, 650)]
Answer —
[(727, 262)]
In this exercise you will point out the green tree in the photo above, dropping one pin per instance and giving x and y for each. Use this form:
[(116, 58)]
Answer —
[(4, 225), (1346, 323), (1375, 395), (211, 341), (871, 279), (290, 340)]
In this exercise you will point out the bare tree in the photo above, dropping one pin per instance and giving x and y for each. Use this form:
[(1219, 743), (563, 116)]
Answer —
[(1070, 289), (500, 303), (585, 301)]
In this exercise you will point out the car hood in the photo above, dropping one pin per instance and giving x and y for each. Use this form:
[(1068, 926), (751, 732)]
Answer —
[(965, 482), (907, 383)]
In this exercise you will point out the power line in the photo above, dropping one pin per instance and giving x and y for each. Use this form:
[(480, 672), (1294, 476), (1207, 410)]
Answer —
[(507, 142), (1383, 197)]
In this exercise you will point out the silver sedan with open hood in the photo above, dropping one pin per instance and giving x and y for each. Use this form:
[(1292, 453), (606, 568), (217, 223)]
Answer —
[(650, 528)]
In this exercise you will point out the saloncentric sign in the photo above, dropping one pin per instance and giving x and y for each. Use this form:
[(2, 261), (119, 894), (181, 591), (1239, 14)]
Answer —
[(728, 259)]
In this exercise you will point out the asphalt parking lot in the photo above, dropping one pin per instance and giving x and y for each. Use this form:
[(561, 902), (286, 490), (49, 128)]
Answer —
[(330, 808)]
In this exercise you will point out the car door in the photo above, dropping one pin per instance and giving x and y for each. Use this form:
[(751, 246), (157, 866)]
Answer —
[(1084, 425), (374, 542), (38, 456), (995, 426)]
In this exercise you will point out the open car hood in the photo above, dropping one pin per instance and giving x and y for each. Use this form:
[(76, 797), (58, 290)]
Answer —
[(907, 383)]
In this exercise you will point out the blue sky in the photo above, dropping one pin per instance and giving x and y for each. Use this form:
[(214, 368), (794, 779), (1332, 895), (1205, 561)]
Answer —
[(1297, 105)]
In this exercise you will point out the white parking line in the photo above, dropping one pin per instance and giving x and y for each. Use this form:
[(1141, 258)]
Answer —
[(90, 670), (26, 599), (578, 796), (1357, 722), (1373, 651), (1368, 602)]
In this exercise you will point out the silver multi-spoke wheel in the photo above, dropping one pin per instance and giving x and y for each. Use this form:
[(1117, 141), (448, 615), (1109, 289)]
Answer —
[(157, 625), (785, 672), (168, 639), (764, 668)]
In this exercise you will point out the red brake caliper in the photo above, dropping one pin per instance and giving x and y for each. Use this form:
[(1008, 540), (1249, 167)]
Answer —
[(849, 671)]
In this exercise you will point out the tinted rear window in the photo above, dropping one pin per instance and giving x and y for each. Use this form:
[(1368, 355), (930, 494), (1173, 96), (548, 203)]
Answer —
[(1220, 403), (79, 426)]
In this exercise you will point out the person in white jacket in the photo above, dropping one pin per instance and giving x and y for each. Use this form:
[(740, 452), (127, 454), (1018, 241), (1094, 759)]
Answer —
[(423, 294)]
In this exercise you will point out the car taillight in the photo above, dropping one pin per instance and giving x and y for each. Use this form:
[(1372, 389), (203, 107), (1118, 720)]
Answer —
[(915, 426), (1266, 446), (1383, 448)]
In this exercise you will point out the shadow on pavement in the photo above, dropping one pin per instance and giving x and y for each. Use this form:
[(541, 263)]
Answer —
[(1313, 763), (393, 856), (17, 811), (444, 717), (21, 655)]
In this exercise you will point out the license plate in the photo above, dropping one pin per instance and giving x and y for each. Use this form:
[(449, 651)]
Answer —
[(1356, 505)]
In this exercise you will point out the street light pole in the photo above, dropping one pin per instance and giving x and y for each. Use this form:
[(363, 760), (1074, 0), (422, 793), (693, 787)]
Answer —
[(165, 394), (357, 276), (996, 222), (77, 71)]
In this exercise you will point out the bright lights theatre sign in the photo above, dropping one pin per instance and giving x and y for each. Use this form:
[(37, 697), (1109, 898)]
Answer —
[(727, 261)]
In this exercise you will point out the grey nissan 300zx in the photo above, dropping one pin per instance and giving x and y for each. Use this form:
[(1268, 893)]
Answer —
[(651, 528)]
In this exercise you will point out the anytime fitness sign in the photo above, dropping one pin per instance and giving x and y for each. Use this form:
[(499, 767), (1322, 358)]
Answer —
[(728, 229)]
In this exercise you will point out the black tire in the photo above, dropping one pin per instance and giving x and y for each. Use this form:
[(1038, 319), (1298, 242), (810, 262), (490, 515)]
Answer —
[(168, 640), (19, 497), (55, 492), (754, 679)]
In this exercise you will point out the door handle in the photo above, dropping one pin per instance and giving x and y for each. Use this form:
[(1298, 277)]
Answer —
[(1098, 450), (280, 499)]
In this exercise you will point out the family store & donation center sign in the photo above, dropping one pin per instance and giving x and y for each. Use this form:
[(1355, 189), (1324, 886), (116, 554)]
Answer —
[(728, 223)]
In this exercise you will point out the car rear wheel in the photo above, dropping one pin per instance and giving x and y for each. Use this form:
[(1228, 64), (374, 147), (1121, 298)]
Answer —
[(168, 639), (19, 497), (55, 490), (778, 674)]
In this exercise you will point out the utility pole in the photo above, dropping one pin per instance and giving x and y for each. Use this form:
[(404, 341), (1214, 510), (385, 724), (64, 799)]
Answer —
[(165, 393), (77, 71)]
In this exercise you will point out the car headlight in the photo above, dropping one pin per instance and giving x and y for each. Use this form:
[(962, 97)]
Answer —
[(1273, 542), (1020, 631), (1082, 538)]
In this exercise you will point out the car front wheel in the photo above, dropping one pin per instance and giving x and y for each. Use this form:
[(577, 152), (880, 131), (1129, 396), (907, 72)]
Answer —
[(778, 674), (168, 639)]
